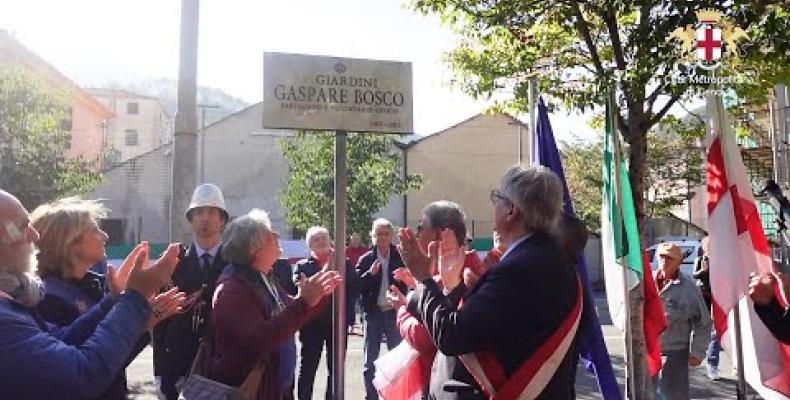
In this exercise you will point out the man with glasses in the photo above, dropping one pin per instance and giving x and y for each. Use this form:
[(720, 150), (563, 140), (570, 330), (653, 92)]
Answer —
[(522, 315)]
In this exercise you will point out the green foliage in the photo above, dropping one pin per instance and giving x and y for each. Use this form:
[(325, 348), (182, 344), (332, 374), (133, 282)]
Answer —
[(582, 164), (675, 164), (374, 175), (32, 141), (580, 51)]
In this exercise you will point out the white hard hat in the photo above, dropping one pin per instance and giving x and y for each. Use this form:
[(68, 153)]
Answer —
[(208, 195)]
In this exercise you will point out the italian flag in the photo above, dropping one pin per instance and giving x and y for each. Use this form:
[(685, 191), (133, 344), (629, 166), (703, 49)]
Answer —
[(738, 247), (622, 250)]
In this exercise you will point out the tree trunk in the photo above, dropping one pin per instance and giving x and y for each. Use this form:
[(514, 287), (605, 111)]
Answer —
[(637, 166)]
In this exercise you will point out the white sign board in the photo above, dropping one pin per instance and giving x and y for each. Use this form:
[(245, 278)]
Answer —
[(334, 93)]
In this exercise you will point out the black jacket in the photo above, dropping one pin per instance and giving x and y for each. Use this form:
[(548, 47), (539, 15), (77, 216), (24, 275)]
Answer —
[(776, 318), (176, 339), (370, 284), (283, 273), (309, 267), (511, 311)]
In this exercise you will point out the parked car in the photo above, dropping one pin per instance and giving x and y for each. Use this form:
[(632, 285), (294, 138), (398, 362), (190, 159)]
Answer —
[(691, 248)]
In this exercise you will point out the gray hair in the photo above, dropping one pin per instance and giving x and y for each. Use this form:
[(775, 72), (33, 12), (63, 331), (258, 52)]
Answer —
[(446, 215), (537, 193), (378, 223), (243, 236), (312, 232)]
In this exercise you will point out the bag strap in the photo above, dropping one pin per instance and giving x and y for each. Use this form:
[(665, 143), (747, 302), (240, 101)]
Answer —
[(249, 388)]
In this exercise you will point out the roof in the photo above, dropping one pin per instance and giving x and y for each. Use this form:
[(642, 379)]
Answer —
[(117, 93), (12, 51), (411, 140), (137, 157)]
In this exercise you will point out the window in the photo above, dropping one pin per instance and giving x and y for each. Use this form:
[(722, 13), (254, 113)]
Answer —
[(131, 137), (132, 108)]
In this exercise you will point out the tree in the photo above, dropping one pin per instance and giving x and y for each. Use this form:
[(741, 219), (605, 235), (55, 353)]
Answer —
[(580, 51), (675, 165), (373, 177), (33, 137)]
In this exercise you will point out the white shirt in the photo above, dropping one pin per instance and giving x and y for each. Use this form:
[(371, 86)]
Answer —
[(513, 246), (383, 302)]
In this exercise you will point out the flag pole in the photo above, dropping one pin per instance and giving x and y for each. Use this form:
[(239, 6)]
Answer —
[(741, 386), (629, 350)]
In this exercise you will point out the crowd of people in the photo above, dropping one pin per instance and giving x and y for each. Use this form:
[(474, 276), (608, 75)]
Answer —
[(225, 312)]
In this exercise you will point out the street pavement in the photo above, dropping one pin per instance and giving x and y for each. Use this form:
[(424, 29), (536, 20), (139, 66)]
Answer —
[(141, 370)]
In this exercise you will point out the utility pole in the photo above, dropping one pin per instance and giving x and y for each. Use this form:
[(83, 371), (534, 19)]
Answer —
[(203, 108), (185, 135)]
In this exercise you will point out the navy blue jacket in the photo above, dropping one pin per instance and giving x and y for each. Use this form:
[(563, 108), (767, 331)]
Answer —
[(309, 267), (77, 361), (512, 310), (68, 299), (371, 284)]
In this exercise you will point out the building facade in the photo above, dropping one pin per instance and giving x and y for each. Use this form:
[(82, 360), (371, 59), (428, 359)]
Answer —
[(463, 163), (139, 124), (88, 115)]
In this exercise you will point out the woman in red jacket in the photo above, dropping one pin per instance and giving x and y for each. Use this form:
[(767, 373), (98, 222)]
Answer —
[(436, 217), (254, 319)]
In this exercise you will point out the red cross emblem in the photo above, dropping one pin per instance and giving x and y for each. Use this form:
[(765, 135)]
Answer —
[(709, 45)]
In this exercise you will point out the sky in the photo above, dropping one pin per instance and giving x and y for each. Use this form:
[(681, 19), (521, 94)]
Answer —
[(97, 42)]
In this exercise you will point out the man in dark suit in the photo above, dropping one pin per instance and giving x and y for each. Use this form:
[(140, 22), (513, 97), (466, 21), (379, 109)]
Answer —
[(375, 270), (530, 295), (176, 340)]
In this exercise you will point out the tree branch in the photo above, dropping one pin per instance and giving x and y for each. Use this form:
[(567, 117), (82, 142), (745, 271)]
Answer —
[(584, 30), (614, 34), (665, 109)]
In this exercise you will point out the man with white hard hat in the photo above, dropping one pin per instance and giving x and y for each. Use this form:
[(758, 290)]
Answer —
[(177, 339)]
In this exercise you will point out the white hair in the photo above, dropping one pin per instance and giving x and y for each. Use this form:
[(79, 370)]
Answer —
[(312, 232), (379, 223), (537, 193)]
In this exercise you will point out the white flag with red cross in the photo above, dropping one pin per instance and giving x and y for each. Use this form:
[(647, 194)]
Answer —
[(738, 247)]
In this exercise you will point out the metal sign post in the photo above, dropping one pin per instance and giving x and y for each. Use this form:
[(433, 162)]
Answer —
[(339, 298), (337, 94)]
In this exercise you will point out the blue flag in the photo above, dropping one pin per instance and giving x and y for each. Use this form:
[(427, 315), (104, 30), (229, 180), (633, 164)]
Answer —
[(590, 342)]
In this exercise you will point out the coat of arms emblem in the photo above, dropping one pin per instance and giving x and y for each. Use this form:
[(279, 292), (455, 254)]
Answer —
[(710, 40)]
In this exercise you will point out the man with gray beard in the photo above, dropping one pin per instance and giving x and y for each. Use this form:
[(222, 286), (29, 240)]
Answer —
[(75, 361)]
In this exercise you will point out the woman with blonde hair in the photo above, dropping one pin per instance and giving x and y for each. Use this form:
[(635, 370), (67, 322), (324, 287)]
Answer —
[(70, 243)]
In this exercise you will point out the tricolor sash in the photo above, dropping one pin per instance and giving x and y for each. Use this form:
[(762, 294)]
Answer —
[(537, 370)]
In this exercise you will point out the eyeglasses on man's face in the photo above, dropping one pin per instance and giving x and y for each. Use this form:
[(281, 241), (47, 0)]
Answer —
[(496, 194)]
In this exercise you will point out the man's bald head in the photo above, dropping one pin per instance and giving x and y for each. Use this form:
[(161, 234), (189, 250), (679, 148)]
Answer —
[(16, 235)]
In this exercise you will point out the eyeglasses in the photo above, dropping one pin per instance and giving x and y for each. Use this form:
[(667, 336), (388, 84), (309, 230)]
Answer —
[(496, 194)]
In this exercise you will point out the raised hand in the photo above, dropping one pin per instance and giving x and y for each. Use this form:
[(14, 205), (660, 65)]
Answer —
[(418, 263), (118, 279), (761, 289), (166, 305), (148, 280), (403, 274), (451, 259), (396, 297), (375, 268), (314, 288)]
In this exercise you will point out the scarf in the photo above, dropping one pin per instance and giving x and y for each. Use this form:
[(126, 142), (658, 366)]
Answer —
[(24, 288)]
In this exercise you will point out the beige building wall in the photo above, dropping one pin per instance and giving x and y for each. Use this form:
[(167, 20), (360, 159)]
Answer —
[(133, 114), (87, 114), (463, 163)]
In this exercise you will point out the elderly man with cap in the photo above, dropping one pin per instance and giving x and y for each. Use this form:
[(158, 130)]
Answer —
[(686, 338), (177, 339)]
